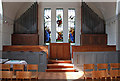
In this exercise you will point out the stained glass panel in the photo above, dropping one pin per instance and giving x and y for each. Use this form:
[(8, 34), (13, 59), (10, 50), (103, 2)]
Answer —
[(47, 25), (71, 25), (59, 25)]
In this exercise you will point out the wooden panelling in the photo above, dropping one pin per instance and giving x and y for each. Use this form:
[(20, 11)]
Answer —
[(60, 51), (66, 49), (53, 54), (92, 48), (25, 39), (93, 39)]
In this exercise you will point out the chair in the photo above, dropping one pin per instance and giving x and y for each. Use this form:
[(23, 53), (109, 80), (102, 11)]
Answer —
[(33, 67), (6, 74), (23, 75), (102, 66), (88, 67), (5, 67), (18, 67), (114, 73), (99, 75), (114, 65)]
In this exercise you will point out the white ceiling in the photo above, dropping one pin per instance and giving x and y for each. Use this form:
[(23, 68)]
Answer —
[(108, 9), (11, 8), (59, 0)]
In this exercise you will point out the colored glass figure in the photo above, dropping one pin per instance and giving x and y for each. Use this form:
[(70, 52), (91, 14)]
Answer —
[(59, 25), (71, 25), (72, 35), (47, 25), (47, 35), (59, 21), (60, 36)]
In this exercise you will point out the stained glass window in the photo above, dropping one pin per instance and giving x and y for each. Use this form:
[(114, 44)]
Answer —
[(47, 25), (71, 25), (59, 25)]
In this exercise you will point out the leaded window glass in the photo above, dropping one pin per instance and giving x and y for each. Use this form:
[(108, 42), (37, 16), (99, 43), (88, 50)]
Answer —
[(59, 25), (47, 25), (71, 25)]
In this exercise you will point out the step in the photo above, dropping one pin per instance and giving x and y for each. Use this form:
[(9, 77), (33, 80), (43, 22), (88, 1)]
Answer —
[(59, 65), (59, 61), (61, 70)]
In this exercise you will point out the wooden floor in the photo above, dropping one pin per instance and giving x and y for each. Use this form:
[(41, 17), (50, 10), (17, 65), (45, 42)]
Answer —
[(61, 75), (65, 76)]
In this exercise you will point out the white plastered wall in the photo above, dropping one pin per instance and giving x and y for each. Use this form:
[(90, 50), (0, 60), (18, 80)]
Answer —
[(7, 32), (111, 26)]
